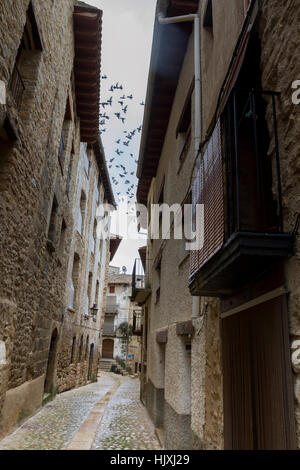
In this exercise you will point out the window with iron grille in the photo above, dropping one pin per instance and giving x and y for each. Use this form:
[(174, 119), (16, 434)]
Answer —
[(24, 73)]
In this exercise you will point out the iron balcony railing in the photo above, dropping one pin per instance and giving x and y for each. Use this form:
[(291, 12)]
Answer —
[(16, 86), (250, 204), (138, 277)]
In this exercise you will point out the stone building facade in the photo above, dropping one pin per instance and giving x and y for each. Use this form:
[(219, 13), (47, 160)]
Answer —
[(47, 124), (120, 309), (222, 323)]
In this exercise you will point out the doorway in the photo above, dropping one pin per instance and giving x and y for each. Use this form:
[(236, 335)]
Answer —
[(258, 390), (108, 349), (91, 358), (50, 372)]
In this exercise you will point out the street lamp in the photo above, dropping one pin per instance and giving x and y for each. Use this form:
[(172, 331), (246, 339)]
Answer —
[(94, 310)]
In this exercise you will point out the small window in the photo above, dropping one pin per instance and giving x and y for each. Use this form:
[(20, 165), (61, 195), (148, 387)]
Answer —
[(81, 213), (86, 348), (89, 293), (111, 289), (25, 71), (62, 238), (80, 349), (97, 293), (74, 281), (52, 223), (73, 350), (208, 15), (183, 131)]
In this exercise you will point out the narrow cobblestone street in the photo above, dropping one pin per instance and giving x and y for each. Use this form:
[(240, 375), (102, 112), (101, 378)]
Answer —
[(124, 425)]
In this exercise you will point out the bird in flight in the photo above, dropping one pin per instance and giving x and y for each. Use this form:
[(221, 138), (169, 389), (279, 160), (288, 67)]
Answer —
[(130, 97), (142, 103)]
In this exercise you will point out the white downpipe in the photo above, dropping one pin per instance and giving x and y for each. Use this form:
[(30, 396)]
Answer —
[(198, 99)]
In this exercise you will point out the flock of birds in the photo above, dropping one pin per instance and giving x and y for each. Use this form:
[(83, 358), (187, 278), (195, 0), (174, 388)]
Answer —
[(116, 107)]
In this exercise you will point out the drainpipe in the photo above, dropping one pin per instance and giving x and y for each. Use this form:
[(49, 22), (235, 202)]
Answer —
[(198, 98)]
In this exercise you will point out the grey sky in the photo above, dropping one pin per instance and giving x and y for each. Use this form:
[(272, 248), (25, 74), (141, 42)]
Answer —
[(126, 47)]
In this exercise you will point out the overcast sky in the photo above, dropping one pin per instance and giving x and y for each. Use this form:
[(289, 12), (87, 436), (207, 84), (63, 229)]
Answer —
[(126, 48)]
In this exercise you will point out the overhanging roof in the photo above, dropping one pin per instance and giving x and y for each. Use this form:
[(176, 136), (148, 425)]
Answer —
[(143, 254), (104, 175), (168, 52), (115, 241), (88, 38)]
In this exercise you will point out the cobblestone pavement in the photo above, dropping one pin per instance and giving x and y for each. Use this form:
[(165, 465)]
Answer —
[(55, 425), (125, 424)]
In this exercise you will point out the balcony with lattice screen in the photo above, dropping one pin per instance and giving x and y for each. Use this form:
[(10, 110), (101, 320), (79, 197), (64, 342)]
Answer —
[(240, 188)]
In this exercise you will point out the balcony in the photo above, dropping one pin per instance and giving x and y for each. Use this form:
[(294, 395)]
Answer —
[(243, 221), (137, 325), (112, 307), (140, 286)]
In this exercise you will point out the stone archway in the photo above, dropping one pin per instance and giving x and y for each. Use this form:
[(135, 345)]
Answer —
[(50, 371)]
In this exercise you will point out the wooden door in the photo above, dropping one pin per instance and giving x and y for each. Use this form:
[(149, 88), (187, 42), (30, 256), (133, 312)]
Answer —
[(108, 349), (258, 390)]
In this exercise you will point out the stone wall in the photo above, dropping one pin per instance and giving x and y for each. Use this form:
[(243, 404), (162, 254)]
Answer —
[(32, 278), (280, 33), (34, 270)]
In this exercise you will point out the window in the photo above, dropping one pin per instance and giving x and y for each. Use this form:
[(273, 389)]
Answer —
[(83, 155), (73, 350), (89, 292), (86, 348), (94, 238), (25, 71), (158, 272), (61, 149), (62, 238), (208, 15), (111, 289), (80, 349), (184, 131), (74, 281), (52, 223), (97, 293), (81, 213)]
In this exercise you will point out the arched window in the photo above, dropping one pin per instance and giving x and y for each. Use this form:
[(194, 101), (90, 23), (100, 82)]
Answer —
[(73, 350), (74, 281), (89, 293), (94, 238), (86, 348), (81, 213), (80, 349), (97, 293), (53, 220)]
